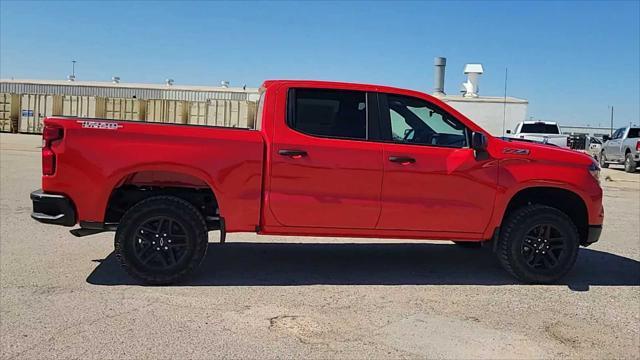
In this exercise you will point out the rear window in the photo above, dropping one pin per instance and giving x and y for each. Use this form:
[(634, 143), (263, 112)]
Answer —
[(634, 133), (540, 128)]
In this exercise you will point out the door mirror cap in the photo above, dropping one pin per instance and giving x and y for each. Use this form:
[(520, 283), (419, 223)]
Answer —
[(479, 141), (508, 131), (606, 137)]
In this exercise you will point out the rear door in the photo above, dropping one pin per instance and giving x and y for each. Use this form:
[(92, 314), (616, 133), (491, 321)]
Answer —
[(324, 170), (432, 179)]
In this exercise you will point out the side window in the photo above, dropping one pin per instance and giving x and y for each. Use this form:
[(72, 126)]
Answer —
[(414, 121), (328, 113), (618, 134)]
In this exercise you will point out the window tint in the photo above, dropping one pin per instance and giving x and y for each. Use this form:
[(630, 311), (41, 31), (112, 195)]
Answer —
[(595, 141), (415, 121), (331, 113), (618, 134), (540, 128), (634, 133)]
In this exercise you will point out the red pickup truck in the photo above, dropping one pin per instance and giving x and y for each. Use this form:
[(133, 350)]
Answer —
[(325, 159)]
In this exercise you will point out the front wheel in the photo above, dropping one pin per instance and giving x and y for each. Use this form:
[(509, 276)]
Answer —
[(603, 161), (161, 240), (629, 163), (538, 244)]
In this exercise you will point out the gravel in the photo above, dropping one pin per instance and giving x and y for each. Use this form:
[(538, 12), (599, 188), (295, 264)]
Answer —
[(291, 297)]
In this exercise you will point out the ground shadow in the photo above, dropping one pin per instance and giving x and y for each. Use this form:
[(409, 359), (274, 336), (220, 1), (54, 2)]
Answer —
[(267, 264)]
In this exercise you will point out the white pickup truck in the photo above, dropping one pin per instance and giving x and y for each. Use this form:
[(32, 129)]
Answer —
[(541, 131)]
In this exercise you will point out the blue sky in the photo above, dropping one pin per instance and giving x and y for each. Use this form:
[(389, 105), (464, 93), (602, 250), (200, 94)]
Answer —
[(571, 60)]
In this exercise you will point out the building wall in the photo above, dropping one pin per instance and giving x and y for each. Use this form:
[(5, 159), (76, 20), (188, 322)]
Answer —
[(597, 132), (25, 104), (490, 115)]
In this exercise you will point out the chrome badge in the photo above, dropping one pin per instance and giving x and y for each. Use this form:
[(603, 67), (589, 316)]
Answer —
[(515, 151), (99, 125)]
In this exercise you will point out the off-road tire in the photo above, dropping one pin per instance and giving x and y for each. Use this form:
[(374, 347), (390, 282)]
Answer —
[(177, 211), (516, 230), (629, 163), (603, 161)]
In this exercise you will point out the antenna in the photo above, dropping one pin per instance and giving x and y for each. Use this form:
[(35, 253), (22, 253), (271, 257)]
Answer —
[(504, 107)]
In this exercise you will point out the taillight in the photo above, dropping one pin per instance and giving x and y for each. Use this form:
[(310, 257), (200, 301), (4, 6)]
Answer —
[(48, 161), (49, 134), (638, 145)]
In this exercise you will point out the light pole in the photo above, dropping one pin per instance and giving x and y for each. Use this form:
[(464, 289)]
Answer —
[(73, 68), (611, 130)]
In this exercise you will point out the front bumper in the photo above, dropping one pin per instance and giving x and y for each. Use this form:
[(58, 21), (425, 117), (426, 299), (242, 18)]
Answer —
[(52, 209), (593, 235)]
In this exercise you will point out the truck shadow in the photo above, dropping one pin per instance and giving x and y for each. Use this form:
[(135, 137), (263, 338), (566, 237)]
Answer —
[(291, 264)]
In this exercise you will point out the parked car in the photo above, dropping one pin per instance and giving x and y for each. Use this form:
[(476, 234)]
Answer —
[(595, 147), (622, 148), (541, 131), (326, 159)]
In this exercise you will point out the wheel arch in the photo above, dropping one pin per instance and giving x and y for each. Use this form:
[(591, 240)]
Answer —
[(563, 199), (126, 188)]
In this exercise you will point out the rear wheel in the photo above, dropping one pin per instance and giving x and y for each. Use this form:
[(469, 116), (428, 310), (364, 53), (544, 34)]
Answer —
[(538, 244), (603, 161), (629, 163), (161, 240)]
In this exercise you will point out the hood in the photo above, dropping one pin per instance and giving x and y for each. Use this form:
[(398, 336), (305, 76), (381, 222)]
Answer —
[(520, 148)]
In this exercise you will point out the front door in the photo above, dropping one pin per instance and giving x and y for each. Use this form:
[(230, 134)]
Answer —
[(324, 170), (432, 179)]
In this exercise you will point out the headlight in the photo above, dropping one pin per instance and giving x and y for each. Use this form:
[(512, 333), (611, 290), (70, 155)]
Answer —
[(594, 170)]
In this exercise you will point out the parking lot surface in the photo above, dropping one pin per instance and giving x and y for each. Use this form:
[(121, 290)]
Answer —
[(290, 297)]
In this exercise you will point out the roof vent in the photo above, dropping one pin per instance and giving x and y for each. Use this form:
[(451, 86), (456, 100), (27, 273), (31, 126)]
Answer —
[(169, 82), (224, 83), (470, 87), (115, 79)]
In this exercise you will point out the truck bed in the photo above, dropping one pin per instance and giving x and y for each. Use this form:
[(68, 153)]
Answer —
[(97, 156)]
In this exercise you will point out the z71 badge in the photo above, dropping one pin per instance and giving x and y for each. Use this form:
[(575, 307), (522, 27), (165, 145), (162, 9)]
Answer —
[(99, 125), (515, 151)]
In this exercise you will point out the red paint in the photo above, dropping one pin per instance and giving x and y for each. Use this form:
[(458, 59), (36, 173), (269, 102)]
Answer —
[(338, 188)]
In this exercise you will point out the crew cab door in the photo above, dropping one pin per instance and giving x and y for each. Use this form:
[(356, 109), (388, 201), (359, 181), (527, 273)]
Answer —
[(612, 150), (324, 171), (432, 180)]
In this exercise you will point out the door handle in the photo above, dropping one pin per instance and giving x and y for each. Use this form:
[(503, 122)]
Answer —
[(403, 160), (294, 154)]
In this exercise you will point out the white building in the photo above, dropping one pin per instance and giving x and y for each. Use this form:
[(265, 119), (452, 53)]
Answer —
[(492, 113)]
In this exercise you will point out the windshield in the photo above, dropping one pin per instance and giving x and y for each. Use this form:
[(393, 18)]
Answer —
[(540, 128)]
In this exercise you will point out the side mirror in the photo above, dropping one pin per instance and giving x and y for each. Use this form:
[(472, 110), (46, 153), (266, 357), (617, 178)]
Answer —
[(606, 137), (508, 131), (479, 141)]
